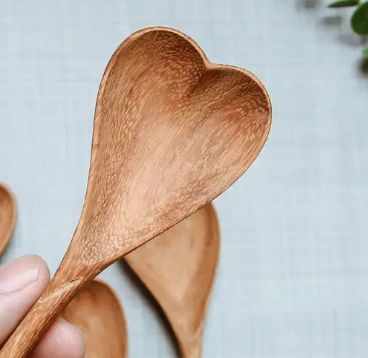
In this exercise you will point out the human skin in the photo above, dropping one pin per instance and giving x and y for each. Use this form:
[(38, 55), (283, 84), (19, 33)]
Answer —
[(21, 284)]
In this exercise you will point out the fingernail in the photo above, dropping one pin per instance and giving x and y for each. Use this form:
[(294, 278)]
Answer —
[(19, 273)]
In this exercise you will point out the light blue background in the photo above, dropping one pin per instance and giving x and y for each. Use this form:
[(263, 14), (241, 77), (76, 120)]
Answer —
[(292, 280)]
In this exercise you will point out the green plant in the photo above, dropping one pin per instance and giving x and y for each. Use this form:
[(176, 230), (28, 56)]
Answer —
[(359, 19), (365, 54)]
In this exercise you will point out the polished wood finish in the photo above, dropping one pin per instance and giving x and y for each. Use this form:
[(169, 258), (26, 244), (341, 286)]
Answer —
[(8, 216), (178, 268), (172, 131), (97, 312)]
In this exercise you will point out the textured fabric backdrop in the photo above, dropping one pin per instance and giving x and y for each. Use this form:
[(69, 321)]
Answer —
[(292, 280)]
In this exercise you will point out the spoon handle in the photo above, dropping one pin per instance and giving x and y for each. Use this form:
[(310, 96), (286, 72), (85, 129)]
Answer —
[(192, 352), (191, 348), (57, 295)]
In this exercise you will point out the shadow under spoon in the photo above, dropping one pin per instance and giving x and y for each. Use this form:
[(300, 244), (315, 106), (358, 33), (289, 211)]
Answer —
[(178, 268), (171, 132), (97, 312), (8, 216)]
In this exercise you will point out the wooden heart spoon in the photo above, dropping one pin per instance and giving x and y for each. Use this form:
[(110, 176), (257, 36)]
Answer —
[(178, 268), (172, 131), (97, 312), (8, 215)]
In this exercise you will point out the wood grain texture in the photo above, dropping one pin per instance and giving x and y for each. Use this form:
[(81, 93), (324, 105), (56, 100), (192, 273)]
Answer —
[(178, 268), (98, 314), (171, 132), (8, 216)]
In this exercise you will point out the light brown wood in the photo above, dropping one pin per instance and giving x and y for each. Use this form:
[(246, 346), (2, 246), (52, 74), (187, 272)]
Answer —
[(97, 312), (8, 216), (172, 131), (178, 268)]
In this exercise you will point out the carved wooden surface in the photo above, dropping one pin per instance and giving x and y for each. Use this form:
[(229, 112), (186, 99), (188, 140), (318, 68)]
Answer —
[(172, 131)]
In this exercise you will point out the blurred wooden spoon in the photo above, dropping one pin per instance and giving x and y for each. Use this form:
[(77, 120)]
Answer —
[(97, 312), (8, 215), (178, 267)]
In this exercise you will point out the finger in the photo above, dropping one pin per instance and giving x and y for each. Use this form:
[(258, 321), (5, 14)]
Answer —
[(21, 284), (62, 340)]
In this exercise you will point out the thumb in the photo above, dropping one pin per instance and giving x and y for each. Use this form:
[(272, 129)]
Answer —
[(21, 284)]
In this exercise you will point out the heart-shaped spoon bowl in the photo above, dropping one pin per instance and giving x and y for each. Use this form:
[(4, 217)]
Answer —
[(186, 130), (8, 214), (178, 268), (172, 131), (97, 312)]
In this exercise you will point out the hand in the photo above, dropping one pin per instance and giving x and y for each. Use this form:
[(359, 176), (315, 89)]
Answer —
[(21, 284)]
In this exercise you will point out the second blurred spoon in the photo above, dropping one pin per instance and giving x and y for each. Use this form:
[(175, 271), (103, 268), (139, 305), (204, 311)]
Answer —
[(96, 311), (178, 268)]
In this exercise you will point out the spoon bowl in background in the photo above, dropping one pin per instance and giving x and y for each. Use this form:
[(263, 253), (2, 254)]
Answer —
[(97, 312), (172, 131), (178, 268), (8, 216)]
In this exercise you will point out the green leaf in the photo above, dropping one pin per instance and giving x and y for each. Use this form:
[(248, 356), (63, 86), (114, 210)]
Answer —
[(344, 3), (365, 54), (359, 20)]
